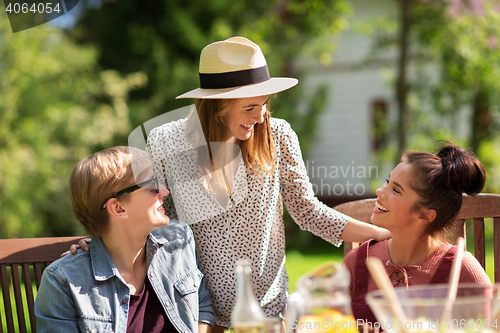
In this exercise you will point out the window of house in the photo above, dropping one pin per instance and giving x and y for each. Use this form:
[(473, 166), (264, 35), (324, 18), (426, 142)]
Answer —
[(379, 124)]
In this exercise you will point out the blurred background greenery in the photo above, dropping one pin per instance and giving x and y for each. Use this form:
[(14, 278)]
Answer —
[(66, 92)]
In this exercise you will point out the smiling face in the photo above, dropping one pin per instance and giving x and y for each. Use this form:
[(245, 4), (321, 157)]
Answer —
[(242, 115), (396, 200), (145, 205)]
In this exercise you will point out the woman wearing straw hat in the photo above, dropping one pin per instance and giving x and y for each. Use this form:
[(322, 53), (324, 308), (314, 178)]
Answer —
[(232, 106)]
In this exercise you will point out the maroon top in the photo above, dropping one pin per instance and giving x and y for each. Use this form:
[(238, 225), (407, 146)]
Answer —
[(360, 308), (146, 314)]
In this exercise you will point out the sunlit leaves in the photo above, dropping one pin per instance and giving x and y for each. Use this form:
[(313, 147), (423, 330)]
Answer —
[(56, 107)]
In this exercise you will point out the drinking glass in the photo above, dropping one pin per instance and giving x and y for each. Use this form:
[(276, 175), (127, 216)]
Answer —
[(474, 310), (321, 303)]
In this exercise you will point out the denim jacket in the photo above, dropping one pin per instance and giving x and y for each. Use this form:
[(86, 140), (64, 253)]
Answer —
[(86, 293)]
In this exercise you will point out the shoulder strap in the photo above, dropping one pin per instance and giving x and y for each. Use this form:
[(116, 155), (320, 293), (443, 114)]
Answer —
[(361, 272), (443, 271), (360, 309)]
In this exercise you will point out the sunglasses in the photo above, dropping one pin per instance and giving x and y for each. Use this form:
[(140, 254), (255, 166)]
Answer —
[(128, 190)]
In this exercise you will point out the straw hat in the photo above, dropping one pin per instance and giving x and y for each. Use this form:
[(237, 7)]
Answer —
[(236, 68)]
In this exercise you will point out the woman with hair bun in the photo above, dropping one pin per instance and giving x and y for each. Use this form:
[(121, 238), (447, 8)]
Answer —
[(418, 205)]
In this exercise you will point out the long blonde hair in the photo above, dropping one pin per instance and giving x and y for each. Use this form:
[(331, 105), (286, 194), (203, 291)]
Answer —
[(258, 151)]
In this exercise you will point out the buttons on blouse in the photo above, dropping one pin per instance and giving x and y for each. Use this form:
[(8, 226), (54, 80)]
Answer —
[(124, 302)]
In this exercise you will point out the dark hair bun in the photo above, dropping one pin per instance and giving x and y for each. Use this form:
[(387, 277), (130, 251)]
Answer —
[(462, 170)]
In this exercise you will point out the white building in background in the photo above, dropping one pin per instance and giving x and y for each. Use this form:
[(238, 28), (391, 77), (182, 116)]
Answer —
[(341, 158), (340, 161)]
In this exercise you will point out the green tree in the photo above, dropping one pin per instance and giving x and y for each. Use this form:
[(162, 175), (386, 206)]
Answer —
[(462, 38), (453, 50), (56, 107)]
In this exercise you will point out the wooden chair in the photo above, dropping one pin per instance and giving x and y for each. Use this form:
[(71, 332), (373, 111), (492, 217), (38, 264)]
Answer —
[(474, 209), (22, 262)]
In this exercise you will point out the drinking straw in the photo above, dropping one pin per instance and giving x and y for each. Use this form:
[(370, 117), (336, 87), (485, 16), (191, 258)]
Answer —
[(383, 282), (453, 280)]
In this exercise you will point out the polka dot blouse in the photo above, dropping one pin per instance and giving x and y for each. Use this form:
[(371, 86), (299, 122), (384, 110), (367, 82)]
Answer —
[(251, 224)]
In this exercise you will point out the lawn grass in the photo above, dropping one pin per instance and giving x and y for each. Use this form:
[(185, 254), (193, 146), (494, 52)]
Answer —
[(489, 264), (297, 263), (3, 314)]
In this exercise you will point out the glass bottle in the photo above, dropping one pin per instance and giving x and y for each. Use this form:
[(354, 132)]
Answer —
[(247, 315)]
